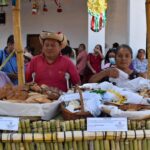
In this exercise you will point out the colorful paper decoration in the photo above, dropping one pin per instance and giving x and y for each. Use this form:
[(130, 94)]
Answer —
[(45, 9), (14, 2), (59, 8), (35, 8), (97, 9), (3, 3)]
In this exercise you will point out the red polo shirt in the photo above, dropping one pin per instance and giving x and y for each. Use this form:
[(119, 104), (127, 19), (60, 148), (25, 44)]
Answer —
[(52, 74)]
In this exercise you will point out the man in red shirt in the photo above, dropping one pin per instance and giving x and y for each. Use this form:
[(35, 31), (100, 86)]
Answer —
[(50, 67)]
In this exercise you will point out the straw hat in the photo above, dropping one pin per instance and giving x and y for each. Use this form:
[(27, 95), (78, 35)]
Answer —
[(28, 55), (56, 36)]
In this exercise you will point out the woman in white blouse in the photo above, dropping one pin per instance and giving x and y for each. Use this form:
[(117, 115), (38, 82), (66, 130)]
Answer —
[(140, 64)]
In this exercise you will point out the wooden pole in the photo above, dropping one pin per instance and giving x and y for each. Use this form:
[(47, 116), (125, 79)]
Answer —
[(148, 34), (18, 42)]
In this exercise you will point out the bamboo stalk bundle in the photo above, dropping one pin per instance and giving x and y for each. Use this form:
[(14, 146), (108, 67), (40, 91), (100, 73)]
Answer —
[(18, 41)]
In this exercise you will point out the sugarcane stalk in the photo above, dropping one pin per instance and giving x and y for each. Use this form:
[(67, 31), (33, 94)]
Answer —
[(45, 127), (144, 144), (1, 146), (77, 124), (101, 143), (85, 145), (139, 144), (38, 146), (117, 145), (53, 125), (42, 146), (21, 146), (129, 124), (135, 144), (8, 146), (127, 145), (75, 145), (48, 126), (72, 127), (131, 145), (112, 143), (106, 145), (27, 124), (133, 125), (17, 146), (96, 145), (47, 146), (139, 126), (82, 124), (143, 124), (122, 147), (27, 147), (67, 123), (148, 127), (60, 146), (148, 34), (18, 42), (23, 126), (13, 146)]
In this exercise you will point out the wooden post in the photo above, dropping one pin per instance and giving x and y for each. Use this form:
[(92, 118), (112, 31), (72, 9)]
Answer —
[(148, 34), (18, 42)]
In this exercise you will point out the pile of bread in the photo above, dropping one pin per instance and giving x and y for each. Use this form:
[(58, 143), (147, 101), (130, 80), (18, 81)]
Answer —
[(29, 93)]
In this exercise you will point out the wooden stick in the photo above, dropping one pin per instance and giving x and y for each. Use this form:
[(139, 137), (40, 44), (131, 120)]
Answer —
[(148, 34), (18, 42)]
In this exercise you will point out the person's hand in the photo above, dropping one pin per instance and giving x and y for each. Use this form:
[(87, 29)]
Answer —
[(144, 75), (93, 71), (112, 72), (13, 76)]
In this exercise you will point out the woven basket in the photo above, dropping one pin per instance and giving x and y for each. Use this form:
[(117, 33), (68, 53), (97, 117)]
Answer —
[(67, 115)]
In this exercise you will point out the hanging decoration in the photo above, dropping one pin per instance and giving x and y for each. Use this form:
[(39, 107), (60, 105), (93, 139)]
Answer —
[(58, 3), (97, 9), (3, 3), (35, 7), (14, 2), (45, 9)]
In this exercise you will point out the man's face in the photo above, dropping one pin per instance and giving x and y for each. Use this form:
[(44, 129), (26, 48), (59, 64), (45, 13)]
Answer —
[(11, 47), (51, 48)]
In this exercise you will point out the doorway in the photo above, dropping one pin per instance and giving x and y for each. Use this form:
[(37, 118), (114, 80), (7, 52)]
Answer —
[(34, 43)]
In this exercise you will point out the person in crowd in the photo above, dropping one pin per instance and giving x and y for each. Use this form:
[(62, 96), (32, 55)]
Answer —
[(73, 55), (94, 61), (140, 64), (115, 45), (123, 61), (81, 60), (51, 67), (10, 67), (67, 51), (27, 57), (4, 79), (110, 59)]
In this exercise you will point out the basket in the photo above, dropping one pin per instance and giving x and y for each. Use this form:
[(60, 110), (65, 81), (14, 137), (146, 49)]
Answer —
[(67, 115)]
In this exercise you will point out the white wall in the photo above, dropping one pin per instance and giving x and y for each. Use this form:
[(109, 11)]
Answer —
[(117, 22), (126, 23), (137, 25), (73, 21)]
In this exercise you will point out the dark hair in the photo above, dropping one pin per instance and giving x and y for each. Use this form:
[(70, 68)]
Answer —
[(107, 54), (100, 47), (139, 52), (115, 45), (83, 45), (66, 51), (125, 47), (10, 39)]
